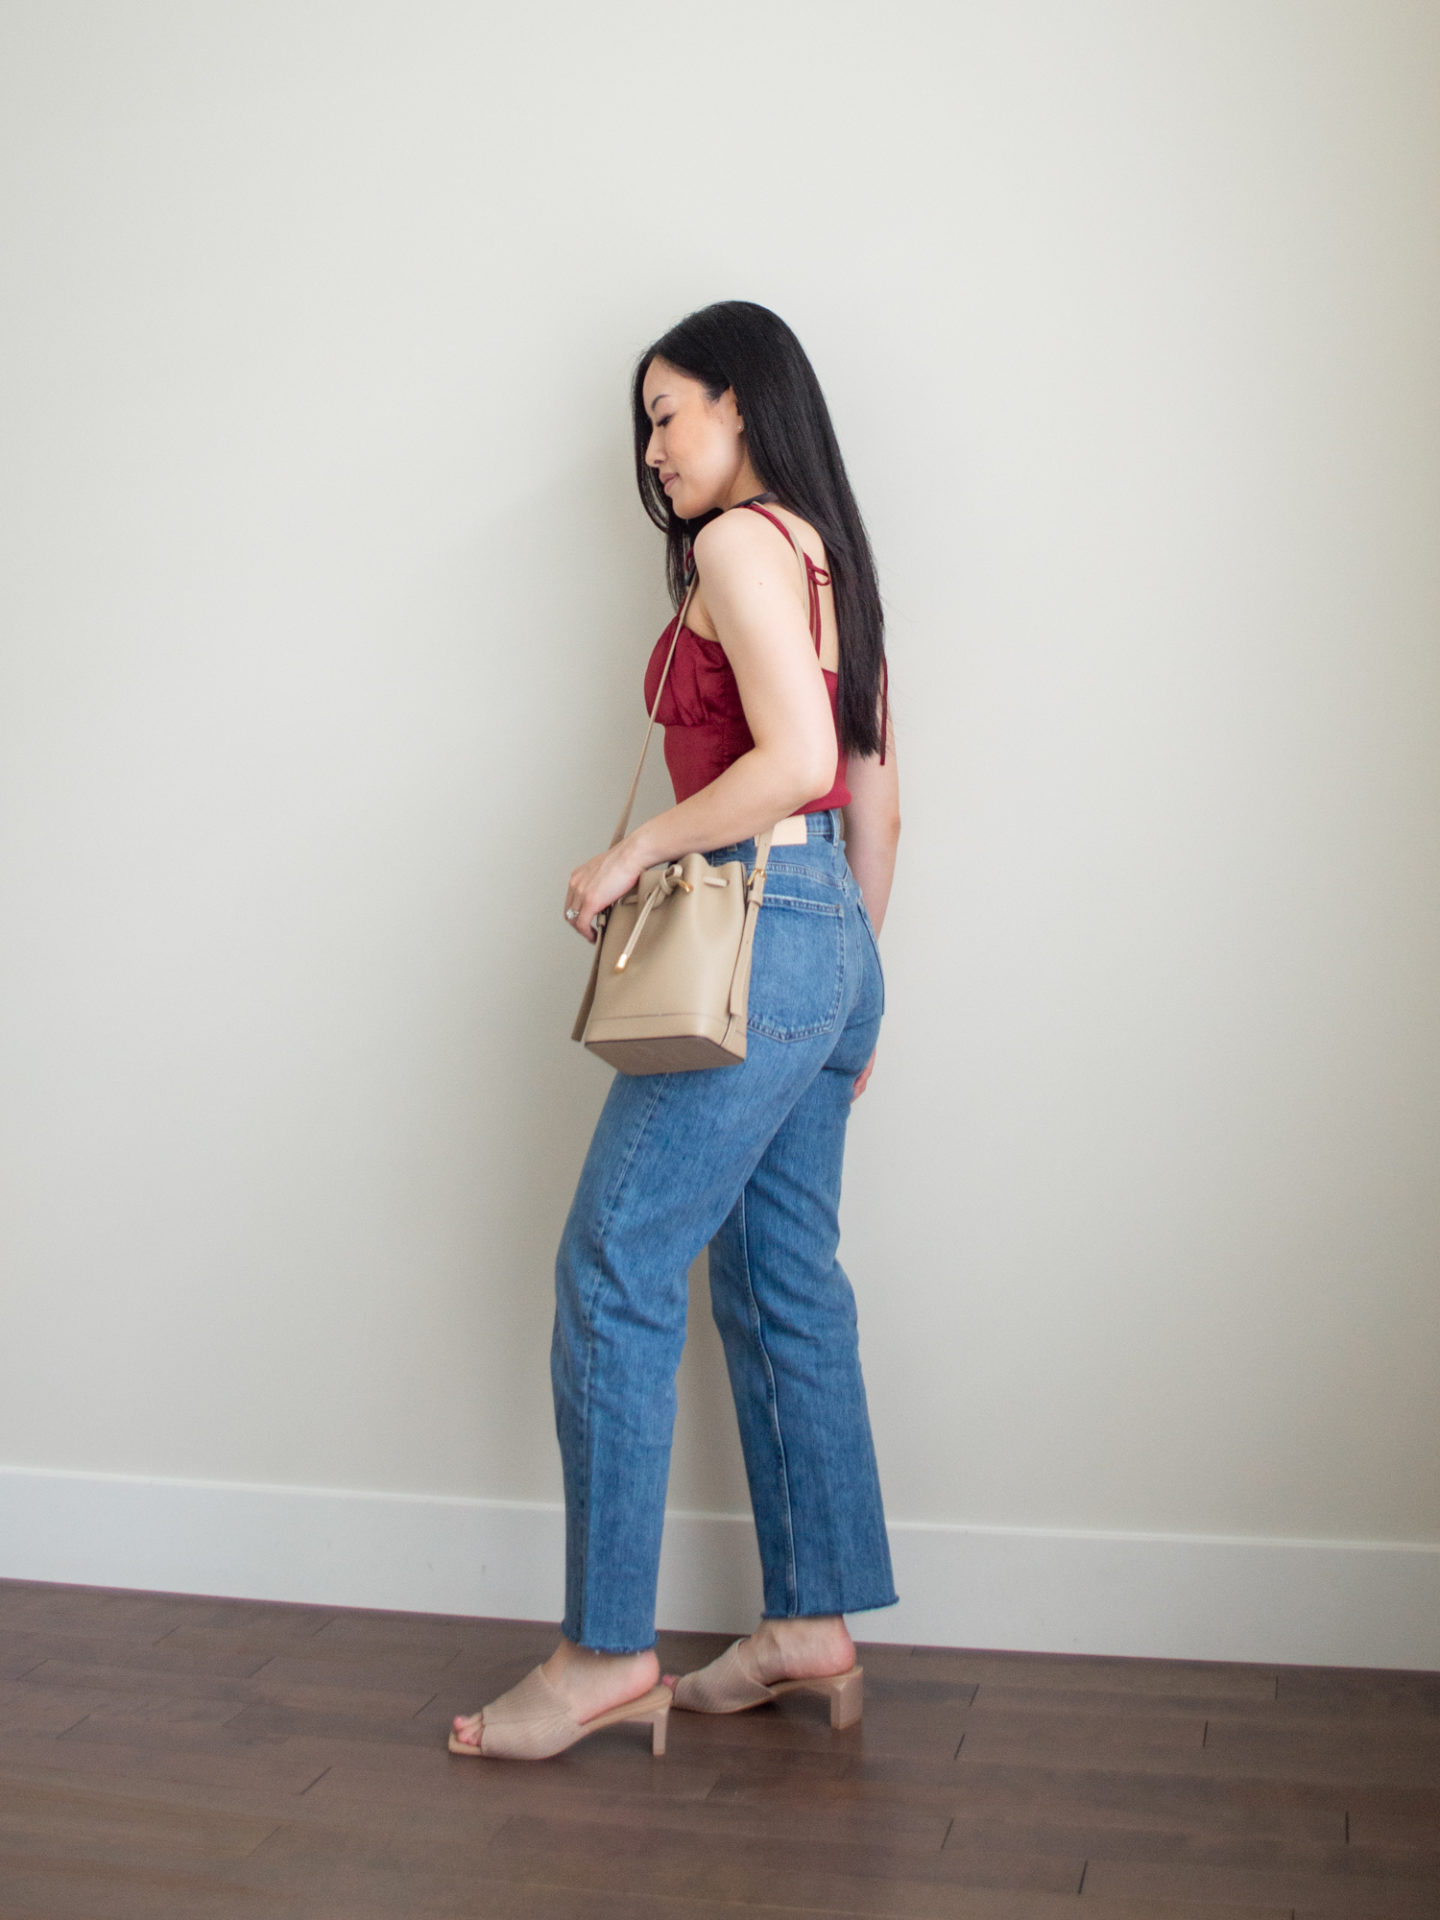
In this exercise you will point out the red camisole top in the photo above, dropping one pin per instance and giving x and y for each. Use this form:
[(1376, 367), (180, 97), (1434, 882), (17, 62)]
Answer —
[(700, 709)]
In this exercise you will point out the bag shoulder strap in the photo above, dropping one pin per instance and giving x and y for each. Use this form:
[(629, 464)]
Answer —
[(619, 833)]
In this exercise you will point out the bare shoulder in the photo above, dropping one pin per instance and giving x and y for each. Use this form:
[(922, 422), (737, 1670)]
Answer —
[(736, 545), (732, 540)]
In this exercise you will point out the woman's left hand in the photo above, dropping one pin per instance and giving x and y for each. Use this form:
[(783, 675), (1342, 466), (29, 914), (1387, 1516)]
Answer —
[(859, 1086), (599, 884)]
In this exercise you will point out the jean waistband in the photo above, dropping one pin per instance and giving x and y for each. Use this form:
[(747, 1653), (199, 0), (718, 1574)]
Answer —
[(826, 824)]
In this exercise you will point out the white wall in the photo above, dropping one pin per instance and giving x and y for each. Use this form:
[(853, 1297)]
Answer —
[(326, 598)]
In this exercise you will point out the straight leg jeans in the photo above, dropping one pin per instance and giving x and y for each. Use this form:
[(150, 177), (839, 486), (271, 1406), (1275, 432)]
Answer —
[(746, 1159)]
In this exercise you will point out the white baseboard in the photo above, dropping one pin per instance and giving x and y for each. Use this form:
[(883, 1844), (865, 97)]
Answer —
[(1319, 1602)]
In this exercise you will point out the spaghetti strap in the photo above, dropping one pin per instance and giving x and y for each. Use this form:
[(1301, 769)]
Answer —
[(820, 575), (756, 507), (811, 572)]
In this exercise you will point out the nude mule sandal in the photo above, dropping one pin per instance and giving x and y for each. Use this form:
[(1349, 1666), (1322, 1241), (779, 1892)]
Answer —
[(532, 1721), (728, 1685)]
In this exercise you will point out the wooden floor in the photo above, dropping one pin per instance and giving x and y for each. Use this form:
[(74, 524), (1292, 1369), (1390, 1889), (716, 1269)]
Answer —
[(166, 1755)]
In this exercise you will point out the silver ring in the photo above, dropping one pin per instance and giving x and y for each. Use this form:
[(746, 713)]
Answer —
[(572, 913)]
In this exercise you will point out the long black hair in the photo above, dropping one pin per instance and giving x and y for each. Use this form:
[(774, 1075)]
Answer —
[(793, 448)]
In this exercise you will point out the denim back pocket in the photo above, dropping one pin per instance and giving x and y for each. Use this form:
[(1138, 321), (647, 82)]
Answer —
[(797, 971)]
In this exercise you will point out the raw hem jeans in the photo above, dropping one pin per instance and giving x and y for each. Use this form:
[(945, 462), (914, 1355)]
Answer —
[(747, 1159)]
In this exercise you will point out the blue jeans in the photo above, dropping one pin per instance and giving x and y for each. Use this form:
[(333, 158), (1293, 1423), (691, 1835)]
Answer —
[(747, 1159)]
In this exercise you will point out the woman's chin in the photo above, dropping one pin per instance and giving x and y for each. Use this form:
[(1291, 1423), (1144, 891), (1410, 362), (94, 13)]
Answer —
[(686, 507)]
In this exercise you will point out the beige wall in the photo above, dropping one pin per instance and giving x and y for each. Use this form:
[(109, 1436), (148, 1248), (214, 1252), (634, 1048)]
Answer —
[(325, 603)]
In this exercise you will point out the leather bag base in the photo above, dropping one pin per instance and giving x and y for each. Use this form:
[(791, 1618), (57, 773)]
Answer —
[(665, 1051)]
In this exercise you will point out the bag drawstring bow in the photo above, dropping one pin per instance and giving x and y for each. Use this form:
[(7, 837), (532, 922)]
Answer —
[(672, 877)]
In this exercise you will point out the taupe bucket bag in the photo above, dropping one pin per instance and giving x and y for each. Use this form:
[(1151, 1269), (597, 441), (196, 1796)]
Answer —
[(669, 986)]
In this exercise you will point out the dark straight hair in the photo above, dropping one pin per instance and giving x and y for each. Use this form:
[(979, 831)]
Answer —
[(793, 448)]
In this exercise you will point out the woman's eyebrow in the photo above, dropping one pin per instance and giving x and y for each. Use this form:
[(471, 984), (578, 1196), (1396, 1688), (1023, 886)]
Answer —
[(658, 398)]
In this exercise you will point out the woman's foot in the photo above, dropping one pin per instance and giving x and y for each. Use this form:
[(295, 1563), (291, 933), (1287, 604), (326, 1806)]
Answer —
[(809, 1647), (591, 1683)]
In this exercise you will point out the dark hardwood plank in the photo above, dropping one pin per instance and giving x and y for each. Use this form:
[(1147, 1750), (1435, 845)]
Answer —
[(530, 1849), (228, 1766), (1140, 1738), (112, 1610), (92, 1824), (1088, 1672), (1376, 1827), (36, 1710), (1113, 1702), (342, 1690), (1184, 1848), (1337, 1894), (56, 1886), (1367, 1749), (260, 1641), (83, 1893), (568, 1801), (119, 1650), (1099, 1800), (216, 1787), (1363, 1690)]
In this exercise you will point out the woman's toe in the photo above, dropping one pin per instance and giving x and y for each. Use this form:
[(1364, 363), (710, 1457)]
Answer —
[(467, 1728), (670, 1679)]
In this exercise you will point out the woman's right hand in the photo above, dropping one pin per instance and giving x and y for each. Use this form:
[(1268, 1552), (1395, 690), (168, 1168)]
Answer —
[(860, 1083), (599, 883)]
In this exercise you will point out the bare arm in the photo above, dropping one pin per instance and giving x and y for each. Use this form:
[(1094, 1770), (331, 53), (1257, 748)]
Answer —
[(753, 594), (872, 825), (872, 834), (757, 604)]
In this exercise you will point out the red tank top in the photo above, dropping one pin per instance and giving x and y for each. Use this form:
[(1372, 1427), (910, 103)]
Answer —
[(701, 712)]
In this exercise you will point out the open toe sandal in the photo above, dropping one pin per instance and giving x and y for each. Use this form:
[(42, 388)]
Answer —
[(532, 1721), (729, 1685)]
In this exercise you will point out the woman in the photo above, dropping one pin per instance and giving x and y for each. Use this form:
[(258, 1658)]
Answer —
[(775, 710)]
